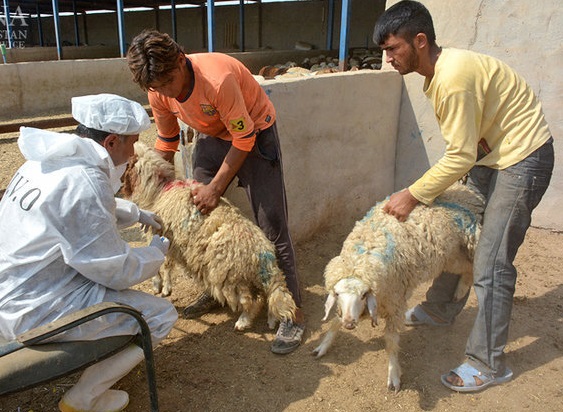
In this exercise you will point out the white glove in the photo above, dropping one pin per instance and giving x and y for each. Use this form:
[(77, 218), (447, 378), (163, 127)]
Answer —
[(149, 219), (160, 242)]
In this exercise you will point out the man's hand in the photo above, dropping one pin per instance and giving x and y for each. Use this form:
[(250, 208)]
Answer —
[(401, 204), (206, 197), (168, 156), (161, 243), (149, 219)]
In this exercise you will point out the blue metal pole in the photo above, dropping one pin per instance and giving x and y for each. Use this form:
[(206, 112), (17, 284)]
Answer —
[(57, 29), (330, 25), (210, 25), (8, 25), (76, 29), (242, 39), (344, 23), (173, 16), (121, 28), (39, 26)]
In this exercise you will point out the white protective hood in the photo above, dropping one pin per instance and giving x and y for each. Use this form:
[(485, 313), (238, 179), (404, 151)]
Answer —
[(46, 146)]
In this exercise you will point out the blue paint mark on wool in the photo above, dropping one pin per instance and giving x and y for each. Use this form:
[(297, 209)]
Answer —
[(371, 212), (464, 218), (385, 256), (267, 260)]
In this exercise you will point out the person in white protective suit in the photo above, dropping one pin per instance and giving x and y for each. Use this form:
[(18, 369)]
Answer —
[(60, 248)]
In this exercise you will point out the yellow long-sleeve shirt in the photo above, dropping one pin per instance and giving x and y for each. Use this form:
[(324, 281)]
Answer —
[(488, 116)]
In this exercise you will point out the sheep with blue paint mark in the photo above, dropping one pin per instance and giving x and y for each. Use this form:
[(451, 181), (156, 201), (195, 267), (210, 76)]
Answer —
[(383, 260), (224, 252)]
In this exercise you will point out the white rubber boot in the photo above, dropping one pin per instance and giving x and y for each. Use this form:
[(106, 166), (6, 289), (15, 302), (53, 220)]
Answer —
[(92, 394)]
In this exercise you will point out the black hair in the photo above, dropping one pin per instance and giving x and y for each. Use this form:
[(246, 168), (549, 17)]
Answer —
[(96, 135), (406, 18)]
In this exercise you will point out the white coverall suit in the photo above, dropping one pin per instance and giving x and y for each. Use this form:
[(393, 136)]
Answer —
[(60, 247)]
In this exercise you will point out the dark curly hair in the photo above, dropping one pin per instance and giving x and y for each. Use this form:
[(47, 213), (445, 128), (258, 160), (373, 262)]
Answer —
[(152, 56)]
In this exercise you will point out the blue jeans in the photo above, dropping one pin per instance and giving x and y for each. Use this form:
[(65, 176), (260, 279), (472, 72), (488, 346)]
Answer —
[(510, 196)]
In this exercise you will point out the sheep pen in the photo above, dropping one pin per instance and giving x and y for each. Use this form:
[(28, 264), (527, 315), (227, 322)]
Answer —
[(383, 260), (228, 255), (204, 364)]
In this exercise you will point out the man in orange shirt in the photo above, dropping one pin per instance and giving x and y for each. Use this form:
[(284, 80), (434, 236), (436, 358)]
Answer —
[(217, 95)]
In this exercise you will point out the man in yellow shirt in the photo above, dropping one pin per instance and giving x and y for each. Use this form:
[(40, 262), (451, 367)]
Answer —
[(495, 132), (217, 95)]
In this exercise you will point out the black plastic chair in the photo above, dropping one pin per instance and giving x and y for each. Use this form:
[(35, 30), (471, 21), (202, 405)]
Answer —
[(27, 362)]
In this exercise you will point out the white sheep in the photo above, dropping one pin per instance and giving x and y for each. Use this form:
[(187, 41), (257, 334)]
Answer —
[(383, 260), (223, 251)]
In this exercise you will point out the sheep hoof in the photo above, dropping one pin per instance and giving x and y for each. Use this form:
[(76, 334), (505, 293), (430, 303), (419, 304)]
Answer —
[(243, 322), (319, 352), (395, 387)]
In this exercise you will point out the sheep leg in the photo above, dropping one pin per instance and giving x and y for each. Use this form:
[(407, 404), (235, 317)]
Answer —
[(326, 343), (392, 348), (157, 283), (463, 286), (250, 309), (166, 276), (271, 320)]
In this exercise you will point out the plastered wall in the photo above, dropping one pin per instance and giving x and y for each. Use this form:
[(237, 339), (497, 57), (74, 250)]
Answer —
[(526, 35)]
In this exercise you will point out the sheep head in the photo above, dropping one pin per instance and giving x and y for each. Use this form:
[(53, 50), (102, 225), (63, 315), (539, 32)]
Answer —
[(146, 175), (352, 296)]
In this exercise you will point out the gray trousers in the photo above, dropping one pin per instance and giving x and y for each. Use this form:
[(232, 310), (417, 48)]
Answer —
[(261, 176), (511, 195)]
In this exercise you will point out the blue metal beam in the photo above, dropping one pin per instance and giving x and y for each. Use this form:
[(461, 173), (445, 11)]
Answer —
[(344, 23), (241, 24), (210, 25), (8, 25), (76, 29), (330, 24), (173, 17), (39, 26), (57, 29), (121, 28)]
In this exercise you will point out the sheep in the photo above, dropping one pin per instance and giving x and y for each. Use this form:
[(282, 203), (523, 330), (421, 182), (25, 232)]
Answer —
[(224, 252), (383, 260)]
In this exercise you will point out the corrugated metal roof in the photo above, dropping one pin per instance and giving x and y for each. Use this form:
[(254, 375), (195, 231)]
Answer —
[(46, 6)]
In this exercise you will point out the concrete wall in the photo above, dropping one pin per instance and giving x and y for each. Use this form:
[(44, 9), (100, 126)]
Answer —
[(526, 35), (45, 88), (42, 88), (337, 145)]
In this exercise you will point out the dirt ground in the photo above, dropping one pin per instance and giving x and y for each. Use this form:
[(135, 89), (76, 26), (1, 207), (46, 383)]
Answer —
[(205, 366)]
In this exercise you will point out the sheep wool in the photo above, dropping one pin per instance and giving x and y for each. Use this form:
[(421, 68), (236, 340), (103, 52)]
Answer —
[(224, 252), (385, 260)]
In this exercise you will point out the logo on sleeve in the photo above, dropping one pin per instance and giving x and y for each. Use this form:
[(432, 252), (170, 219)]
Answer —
[(208, 109), (238, 125)]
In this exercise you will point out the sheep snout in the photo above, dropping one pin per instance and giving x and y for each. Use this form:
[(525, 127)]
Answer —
[(349, 325)]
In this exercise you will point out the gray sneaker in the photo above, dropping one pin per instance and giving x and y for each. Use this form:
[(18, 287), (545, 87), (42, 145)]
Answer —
[(202, 305), (288, 337)]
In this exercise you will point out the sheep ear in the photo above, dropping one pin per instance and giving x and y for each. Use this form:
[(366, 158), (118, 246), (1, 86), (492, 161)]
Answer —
[(330, 300), (372, 308)]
